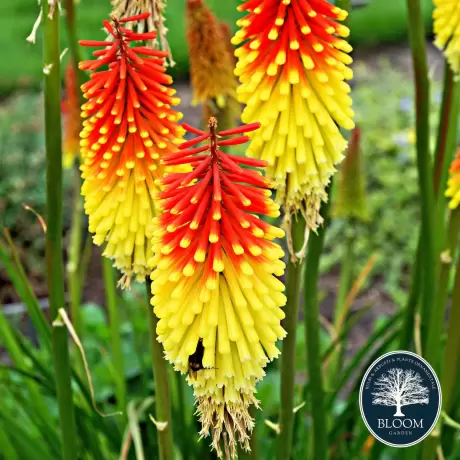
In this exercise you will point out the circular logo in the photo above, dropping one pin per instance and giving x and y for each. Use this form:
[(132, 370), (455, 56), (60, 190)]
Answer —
[(400, 399)]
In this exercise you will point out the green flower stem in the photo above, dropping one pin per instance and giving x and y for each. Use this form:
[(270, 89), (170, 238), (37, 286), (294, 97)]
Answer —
[(73, 275), (442, 292), (52, 98), (71, 22), (451, 368), (417, 43), (341, 310), (162, 393), (115, 332), (76, 232), (428, 256), (447, 140), (447, 238), (449, 113), (287, 365), (447, 124), (312, 340), (449, 377)]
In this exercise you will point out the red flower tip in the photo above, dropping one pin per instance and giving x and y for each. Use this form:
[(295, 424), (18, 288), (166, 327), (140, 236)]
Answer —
[(123, 37), (136, 17), (224, 166)]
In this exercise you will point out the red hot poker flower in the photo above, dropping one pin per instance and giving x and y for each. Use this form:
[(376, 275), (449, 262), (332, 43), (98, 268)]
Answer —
[(214, 282), (129, 125)]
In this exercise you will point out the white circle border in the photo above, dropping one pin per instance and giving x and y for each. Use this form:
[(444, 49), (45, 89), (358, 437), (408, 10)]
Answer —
[(361, 402)]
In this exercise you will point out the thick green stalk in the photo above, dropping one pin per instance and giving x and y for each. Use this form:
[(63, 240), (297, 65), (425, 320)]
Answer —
[(428, 257), (451, 368), (52, 98), (447, 142), (312, 341), (417, 43), (447, 240), (76, 233), (440, 171), (73, 274), (71, 22), (162, 393), (287, 365), (115, 332), (442, 291), (340, 312), (450, 373), (448, 107)]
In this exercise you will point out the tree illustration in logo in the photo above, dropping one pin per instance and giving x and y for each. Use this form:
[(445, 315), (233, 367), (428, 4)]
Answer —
[(399, 387)]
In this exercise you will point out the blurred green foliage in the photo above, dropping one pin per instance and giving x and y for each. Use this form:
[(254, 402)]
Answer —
[(22, 176), (385, 114), (376, 22)]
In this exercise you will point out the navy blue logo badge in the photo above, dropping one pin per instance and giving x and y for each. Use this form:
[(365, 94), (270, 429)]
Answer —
[(400, 399)]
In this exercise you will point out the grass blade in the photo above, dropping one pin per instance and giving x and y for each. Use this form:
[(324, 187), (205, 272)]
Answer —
[(16, 272)]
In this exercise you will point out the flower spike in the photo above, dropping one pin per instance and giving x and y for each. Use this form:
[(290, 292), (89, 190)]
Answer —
[(214, 284), (129, 126), (292, 65), (211, 64), (351, 199)]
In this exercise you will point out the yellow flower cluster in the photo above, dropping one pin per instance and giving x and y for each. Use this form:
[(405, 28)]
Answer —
[(293, 67), (129, 124), (214, 284)]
